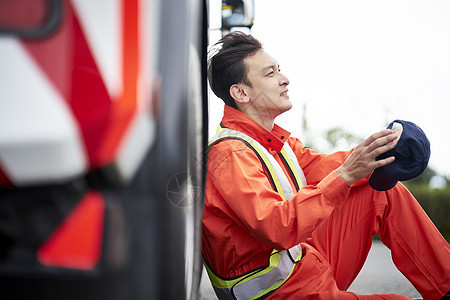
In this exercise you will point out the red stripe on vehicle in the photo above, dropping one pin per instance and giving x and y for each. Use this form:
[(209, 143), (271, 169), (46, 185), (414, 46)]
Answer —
[(67, 61), (124, 108), (77, 242), (4, 180)]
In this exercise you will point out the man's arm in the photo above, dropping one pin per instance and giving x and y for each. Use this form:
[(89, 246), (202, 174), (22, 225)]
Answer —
[(253, 204)]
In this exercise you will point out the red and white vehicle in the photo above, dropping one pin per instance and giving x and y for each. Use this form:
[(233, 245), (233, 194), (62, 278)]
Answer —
[(103, 115)]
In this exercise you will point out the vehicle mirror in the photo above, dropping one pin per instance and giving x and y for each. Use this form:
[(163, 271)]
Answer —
[(237, 13), (31, 19)]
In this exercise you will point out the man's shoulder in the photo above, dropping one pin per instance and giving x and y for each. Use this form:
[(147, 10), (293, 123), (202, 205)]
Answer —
[(228, 149), (294, 142), (227, 146), (297, 146)]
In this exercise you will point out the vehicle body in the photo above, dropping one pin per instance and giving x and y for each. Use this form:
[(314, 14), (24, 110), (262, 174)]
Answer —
[(103, 115)]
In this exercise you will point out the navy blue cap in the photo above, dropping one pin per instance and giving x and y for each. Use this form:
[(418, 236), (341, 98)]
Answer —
[(412, 154)]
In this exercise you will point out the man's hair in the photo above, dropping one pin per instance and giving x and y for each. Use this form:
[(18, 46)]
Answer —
[(227, 67)]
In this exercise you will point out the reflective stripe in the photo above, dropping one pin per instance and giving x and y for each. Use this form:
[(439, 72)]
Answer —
[(264, 280), (279, 180), (289, 157), (253, 289), (259, 282)]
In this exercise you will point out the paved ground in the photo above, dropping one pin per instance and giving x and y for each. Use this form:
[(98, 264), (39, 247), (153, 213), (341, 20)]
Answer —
[(378, 276)]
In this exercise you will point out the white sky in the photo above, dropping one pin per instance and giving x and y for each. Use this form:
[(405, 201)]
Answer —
[(358, 64)]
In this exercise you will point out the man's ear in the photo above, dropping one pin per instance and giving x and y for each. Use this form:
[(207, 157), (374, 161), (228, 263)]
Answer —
[(239, 94)]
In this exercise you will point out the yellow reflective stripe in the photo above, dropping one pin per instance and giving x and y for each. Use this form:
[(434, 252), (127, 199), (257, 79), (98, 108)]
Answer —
[(273, 264), (287, 156), (276, 285), (286, 260), (281, 264), (273, 287), (219, 282), (262, 156), (219, 128), (292, 168), (239, 286)]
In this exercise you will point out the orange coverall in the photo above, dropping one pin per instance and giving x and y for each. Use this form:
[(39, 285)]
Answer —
[(244, 219)]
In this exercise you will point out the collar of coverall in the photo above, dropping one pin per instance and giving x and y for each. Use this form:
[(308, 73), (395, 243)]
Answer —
[(271, 140)]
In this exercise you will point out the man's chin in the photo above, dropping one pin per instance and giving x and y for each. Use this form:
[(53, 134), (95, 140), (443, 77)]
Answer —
[(288, 105), (284, 108)]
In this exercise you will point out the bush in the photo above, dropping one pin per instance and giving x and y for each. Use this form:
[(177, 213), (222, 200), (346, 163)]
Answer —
[(436, 203)]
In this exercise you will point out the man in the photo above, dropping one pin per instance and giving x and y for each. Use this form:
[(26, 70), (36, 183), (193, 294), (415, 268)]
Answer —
[(284, 222)]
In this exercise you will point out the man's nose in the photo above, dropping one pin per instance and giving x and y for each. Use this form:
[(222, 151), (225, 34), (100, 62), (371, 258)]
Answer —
[(284, 80)]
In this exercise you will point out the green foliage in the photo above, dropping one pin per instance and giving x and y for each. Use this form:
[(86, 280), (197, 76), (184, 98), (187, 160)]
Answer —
[(337, 134), (423, 179), (435, 202), (306, 139)]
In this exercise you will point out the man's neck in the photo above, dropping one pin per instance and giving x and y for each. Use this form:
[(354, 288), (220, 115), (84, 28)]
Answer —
[(261, 117)]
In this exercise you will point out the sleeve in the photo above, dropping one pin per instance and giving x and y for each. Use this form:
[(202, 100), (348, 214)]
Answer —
[(243, 183), (316, 166)]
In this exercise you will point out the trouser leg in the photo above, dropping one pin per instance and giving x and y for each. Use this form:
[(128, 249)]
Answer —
[(418, 249), (315, 281)]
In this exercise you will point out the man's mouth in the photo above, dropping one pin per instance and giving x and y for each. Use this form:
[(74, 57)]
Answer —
[(284, 93)]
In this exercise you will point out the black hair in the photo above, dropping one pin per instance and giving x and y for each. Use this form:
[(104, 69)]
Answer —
[(227, 67)]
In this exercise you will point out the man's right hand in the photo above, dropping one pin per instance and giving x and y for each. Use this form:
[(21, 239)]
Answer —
[(361, 162)]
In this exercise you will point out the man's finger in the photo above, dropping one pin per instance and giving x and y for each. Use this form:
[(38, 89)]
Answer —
[(376, 136), (385, 145), (381, 142), (383, 162)]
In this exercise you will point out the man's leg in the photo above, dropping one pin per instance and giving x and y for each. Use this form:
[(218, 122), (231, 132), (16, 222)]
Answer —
[(418, 249), (313, 279)]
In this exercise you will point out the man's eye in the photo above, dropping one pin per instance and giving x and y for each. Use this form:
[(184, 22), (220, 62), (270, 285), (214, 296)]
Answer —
[(270, 73)]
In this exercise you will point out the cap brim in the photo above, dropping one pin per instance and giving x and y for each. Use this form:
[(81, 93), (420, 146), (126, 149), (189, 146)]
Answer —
[(380, 182)]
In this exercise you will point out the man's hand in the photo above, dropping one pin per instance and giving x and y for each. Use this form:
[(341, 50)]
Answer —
[(361, 162)]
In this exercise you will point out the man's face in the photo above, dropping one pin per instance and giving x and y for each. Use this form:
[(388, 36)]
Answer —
[(268, 92)]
